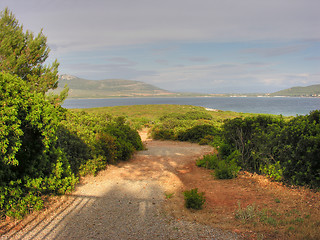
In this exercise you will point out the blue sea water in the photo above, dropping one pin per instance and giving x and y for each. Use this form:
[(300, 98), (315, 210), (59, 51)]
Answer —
[(272, 105)]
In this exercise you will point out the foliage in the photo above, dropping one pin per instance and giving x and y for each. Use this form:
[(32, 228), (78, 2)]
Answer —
[(197, 133), (91, 141), (192, 115), (283, 150), (254, 138), (193, 199), (23, 54), (224, 169), (300, 150), (191, 126), (273, 171), (31, 163), (43, 147), (209, 161)]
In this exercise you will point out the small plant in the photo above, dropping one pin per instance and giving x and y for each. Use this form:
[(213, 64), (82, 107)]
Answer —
[(193, 199), (247, 213), (169, 195)]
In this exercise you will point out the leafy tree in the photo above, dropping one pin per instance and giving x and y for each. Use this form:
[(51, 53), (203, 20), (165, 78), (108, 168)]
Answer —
[(31, 162), (23, 54), (28, 125)]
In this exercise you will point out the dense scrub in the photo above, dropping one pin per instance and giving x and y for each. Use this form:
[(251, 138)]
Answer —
[(282, 150), (44, 148), (191, 126), (91, 141)]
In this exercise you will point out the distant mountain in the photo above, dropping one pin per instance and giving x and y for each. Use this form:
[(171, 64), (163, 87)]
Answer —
[(83, 88), (309, 91)]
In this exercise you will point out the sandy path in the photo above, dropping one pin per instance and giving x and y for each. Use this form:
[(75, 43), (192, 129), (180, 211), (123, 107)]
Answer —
[(125, 201)]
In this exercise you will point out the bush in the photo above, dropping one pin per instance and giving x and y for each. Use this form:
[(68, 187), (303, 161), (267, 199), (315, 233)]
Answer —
[(159, 133), (209, 161), (299, 150), (197, 133), (93, 141), (192, 115), (193, 199), (226, 170), (31, 162), (283, 150)]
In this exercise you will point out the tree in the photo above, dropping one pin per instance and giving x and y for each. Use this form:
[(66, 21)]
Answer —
[(23, 54), (31, 162)]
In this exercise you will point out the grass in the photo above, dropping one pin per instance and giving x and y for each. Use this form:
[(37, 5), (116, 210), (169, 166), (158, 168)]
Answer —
[(148, 115), (296, 223), (169, 195)]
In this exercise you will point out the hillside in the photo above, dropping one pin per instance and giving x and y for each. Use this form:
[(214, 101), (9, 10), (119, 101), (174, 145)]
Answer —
[(309, 91), (83, 88)]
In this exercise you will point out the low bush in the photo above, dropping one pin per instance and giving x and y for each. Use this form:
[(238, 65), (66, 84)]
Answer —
[(226, 170), (223, 169), (209, 161), (197, 133), (192, 115), (193, 199)]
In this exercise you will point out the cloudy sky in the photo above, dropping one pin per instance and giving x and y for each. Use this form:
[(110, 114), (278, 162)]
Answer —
[(209, 46)]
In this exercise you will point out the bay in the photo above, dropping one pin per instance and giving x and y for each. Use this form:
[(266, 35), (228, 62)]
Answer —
[(272, 105)]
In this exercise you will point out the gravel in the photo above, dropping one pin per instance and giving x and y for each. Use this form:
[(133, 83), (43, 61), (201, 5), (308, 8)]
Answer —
[(123, 202)]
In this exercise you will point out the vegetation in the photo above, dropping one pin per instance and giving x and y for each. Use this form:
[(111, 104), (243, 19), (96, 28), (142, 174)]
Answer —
[(309, 91), (44, 149), (224, 169), (23, 54), (283, 150), (32, 164), (193, 199)]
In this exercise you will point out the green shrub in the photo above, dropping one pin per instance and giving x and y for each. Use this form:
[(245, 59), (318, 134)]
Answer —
[(192, 115), (193, 199), (162, 134), (197, 133), (283, 150), (273, 171), (32, 163), (209, 161), (224, 169), (98, 139), (299, 150)]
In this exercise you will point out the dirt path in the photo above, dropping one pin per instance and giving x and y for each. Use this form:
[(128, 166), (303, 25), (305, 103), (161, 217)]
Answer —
[(126, 201)]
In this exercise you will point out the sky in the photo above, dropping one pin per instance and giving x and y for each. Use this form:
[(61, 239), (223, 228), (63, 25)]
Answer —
[(205, 46)]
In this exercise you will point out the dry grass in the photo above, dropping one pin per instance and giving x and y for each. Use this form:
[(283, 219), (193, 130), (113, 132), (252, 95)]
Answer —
[(251, 205)]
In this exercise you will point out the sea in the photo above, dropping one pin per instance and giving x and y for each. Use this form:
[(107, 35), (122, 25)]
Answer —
[(286, 106)]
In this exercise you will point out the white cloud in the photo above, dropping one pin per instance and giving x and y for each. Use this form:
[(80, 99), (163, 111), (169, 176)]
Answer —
[(85, 35), (78, 25)]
